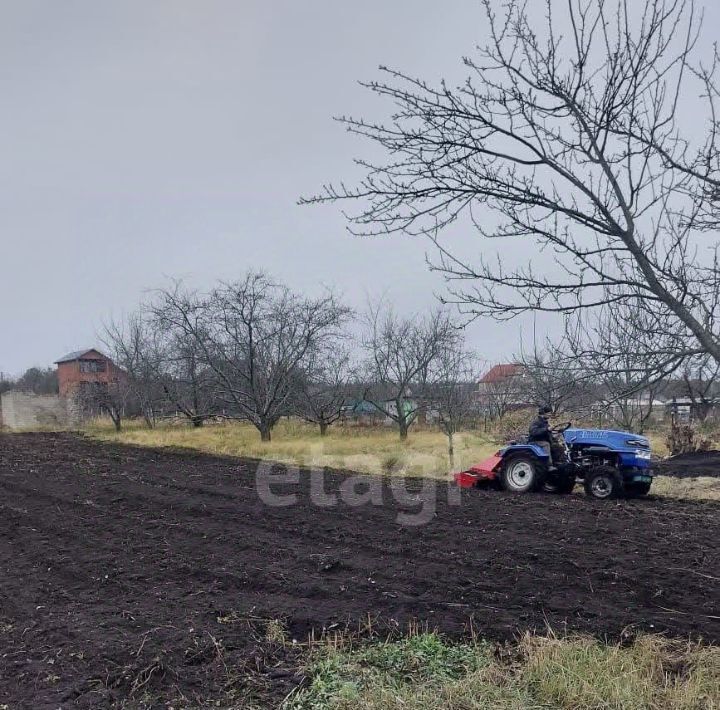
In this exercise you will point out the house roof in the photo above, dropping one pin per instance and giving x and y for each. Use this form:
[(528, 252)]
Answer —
[(501, 372), (77, 355)]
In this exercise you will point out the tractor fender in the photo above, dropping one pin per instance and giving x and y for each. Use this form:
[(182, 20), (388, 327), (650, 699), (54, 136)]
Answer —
[(528, 448)]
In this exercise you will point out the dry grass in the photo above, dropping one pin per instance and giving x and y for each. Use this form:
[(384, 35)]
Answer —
[(423, 672), (701, 488), (368, 450), (658, 443), (654, 672)]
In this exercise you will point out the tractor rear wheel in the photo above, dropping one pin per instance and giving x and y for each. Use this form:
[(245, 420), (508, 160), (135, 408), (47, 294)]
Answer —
[(603, 482), (522, 474)]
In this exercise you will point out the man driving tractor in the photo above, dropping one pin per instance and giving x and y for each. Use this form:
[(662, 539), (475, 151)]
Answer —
[(540, 432), (552, 458)]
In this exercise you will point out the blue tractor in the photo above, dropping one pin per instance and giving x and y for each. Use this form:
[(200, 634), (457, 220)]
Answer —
[(610, 464)]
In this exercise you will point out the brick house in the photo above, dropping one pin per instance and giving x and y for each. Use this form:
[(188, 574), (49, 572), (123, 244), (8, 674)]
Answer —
[(85, 367), (503, 388)]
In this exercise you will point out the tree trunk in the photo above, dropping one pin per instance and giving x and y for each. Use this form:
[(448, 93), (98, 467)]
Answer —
[(149, 418), (265, 434), (422, 414), (114, 414), (702, 411), (323, 428), (402, 424)]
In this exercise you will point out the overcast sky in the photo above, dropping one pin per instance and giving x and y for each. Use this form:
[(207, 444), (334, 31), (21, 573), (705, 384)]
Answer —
[(147, 140)]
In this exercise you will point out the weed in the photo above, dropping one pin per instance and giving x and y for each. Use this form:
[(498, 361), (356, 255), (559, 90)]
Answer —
[(276, 632)]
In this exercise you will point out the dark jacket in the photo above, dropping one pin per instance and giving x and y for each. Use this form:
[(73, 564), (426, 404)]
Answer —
[(540, 430)]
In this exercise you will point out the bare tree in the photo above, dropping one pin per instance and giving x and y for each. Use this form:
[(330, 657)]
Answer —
[(623, 403), (565, 138), (548, 380), (611, 356), (324, 385), (136, 349), (401, 356), (453, 395), (255, 336), (187, 381), (699, 383), (38, 381), (503, 391), (109, 398), (6, 383)]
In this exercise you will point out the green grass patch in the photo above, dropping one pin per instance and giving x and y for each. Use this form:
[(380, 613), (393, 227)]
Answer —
[(424, 672)]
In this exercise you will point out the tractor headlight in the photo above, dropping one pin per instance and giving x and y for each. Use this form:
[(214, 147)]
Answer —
[(642, 454), (636, 442)]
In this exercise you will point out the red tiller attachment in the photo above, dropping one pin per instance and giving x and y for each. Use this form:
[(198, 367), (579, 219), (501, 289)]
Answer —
[(485, 471)]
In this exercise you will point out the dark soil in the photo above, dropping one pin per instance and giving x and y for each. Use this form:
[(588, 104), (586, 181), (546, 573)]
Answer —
[(706, 463), (134, 577)]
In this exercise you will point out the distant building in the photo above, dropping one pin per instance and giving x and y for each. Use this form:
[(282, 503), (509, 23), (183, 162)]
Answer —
[(363, 411), (504, 388), (84, 368), (640, 406), (687, 409), (508, 372), (76, 372), (410, 409), (360, 411)]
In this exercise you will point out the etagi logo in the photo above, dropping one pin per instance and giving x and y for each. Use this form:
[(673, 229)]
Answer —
[(416, 498)]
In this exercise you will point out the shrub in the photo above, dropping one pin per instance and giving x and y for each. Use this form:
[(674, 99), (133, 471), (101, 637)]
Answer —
[(391, 464), (684, 439)]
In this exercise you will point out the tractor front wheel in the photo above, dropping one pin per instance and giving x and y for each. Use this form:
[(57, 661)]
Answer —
[(603, 482), (522, 474)]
